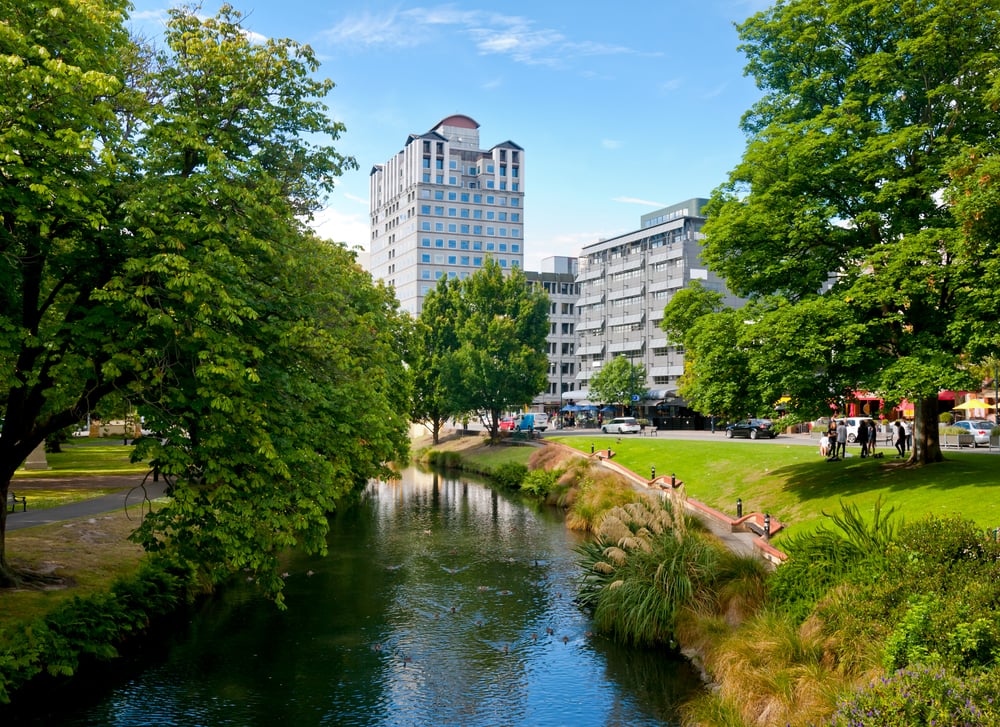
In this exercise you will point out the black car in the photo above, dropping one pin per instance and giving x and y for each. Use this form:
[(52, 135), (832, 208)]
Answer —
[(752, 428)]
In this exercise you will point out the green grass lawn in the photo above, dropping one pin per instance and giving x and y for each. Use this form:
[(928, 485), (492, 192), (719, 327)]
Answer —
[(110, 457), (72, 468), (794, 484)]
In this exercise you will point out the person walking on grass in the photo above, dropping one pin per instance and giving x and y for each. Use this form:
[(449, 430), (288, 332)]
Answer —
[(841, 449), (862, 437), (899, 439)]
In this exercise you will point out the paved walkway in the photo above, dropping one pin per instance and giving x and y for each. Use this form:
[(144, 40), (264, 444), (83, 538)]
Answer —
[(131, 494)]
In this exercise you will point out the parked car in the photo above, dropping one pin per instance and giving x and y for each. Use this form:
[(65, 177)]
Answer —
[(508, 424), (535, 420), (979, 429), (621, 425), (852, 426), (752, 428)]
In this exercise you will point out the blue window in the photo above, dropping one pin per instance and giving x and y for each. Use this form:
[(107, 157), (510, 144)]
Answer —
[(439, 211), (439, 243), (425, 274), (425, 258), (438, 193), (477, 261), (503, 247), (464, 259), (425, 209), (452, 212), (426, 242), (425, 226), (465, 244), (477, 245), (437, 274), (452, 196), (452, 260), (452, 227), (490, 247), (452, 244), (515, 247)]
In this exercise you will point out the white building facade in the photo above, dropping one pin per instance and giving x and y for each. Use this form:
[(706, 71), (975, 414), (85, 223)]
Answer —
[(557, 278), (441, 206), (625, 283)]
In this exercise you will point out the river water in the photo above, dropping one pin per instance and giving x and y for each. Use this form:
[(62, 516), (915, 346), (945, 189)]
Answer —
[(441, 602)]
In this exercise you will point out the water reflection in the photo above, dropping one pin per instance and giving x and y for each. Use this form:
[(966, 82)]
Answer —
[(441, 602)]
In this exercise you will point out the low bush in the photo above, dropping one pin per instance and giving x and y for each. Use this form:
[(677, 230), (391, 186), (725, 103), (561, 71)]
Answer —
[(508, 475), (95, 626), (924, 697), (540, 483)]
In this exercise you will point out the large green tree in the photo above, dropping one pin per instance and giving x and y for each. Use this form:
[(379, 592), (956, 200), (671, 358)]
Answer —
[(838, 197), (154, 247), (618, 381), (435, 343), (501, 361)]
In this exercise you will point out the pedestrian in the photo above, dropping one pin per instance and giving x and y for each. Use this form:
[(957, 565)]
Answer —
[(841, 448), (899, 439), (862, 437), (872, 438), (908, 431)]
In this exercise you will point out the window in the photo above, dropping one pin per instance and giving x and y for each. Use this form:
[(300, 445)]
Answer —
[(490, 247), (464, 260), (439, 194), (425, 209), (452, 260), (477, 261), (426, 242), (452, 244), (514, 247), (425, 258), (439, 211), (452, 196), (452, 227), (452, 212), (425, 274)]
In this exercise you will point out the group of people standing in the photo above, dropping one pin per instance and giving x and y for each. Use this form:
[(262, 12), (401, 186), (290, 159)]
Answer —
[(833, 445)]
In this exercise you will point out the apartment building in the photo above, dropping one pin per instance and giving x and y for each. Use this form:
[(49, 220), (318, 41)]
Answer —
[(441, 205), (625, 282), (557, 277)]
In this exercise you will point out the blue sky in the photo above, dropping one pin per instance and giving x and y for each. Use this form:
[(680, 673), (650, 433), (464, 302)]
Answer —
[(621, 108)]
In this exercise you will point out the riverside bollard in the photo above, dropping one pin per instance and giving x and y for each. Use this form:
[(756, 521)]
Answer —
[(673, 480), (739, 507), (652, 472), (767, 525), (591, 448)]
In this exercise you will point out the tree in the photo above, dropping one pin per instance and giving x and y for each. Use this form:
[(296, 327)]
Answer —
[(153, 208), (618, 381), (501, 361), (838, 196), (436, 341)]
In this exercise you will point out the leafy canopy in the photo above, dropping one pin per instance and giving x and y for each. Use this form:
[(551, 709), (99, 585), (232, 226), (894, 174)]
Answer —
[(866, 107)]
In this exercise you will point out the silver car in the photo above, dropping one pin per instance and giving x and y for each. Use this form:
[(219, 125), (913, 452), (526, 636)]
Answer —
[(621, 425), (979, 429)]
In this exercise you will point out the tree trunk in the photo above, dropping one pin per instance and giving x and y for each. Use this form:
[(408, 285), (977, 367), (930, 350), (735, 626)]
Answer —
[(8, 577), (926, 442)]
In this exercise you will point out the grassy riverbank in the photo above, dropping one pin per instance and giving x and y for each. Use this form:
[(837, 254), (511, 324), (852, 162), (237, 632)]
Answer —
[(796, 485)]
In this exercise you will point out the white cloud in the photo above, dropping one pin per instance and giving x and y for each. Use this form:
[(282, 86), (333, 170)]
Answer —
[(612, 143), (636, 200), (516, 37), (348, 228)]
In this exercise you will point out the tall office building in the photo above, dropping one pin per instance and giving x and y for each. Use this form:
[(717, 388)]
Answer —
[(441, 205), (625, 283), (557, 278)]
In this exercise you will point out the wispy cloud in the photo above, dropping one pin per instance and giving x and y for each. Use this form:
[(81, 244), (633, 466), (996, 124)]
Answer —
[(612, 143), (517, 37), (636, 200)]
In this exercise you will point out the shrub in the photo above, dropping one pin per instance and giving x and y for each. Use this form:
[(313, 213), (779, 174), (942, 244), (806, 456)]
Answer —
[(923, 697), (946, 417), (540, 482), (509, 475)]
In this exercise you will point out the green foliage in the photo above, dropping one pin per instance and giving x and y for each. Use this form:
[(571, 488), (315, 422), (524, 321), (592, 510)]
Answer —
[(509, 475), (540, 482), (835, 204), (93, 626), (501, 360), (924, 696), (432, 356), (820, 560), (617, 381), (647, 566), (177, 274)]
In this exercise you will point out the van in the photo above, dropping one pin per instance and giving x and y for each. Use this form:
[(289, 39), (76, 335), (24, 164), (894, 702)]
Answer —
[(535, 420)]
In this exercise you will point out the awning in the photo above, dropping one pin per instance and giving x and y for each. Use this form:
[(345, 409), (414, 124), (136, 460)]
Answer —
[(575, 395)]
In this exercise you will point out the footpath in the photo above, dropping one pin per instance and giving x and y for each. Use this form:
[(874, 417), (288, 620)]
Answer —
[(132, 492)]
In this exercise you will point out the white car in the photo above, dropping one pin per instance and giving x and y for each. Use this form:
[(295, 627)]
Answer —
[(621, 425)]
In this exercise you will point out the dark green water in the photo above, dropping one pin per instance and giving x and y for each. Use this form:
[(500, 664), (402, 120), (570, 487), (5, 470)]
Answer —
[(441, 602)]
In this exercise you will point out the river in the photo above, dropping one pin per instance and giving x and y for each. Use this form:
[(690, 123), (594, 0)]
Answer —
[(441, 602)]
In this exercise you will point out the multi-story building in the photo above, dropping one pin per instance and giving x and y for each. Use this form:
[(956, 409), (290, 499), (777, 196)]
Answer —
[(441, 205), (625, 283), (557, 278)]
